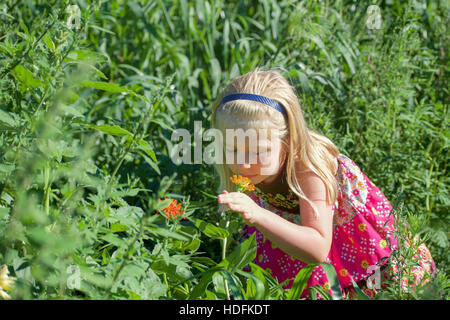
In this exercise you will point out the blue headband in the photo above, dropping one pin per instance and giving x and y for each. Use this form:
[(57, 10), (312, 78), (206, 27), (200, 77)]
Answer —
[(254, 97)]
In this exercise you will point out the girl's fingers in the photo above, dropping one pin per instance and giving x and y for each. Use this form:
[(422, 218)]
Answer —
[(234, 207), (224, 199), (232, 195), (220, 196), (224, 196)]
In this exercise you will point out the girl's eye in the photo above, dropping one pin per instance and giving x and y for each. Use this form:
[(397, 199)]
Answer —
[(260, 154)]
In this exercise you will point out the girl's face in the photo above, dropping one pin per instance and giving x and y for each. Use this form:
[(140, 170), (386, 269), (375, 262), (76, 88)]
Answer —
[(258, 159)]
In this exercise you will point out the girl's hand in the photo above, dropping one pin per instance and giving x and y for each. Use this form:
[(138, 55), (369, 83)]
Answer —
[(242, 203)]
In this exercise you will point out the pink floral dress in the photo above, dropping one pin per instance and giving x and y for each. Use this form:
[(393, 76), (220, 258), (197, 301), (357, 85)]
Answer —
[(362, 233)]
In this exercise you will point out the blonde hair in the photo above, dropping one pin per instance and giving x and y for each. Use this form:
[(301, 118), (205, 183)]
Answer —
[(314, 151)]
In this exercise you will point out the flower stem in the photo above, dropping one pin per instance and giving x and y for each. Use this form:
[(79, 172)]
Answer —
[(224, 253)]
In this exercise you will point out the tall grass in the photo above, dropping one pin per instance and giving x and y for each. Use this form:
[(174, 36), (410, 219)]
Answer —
[(86, 116)]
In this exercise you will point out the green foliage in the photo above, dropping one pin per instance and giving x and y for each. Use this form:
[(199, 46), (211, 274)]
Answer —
[(87, 112)]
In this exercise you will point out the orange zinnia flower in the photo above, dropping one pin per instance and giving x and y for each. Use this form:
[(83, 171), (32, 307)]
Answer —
[(242, 183), (173, 210)]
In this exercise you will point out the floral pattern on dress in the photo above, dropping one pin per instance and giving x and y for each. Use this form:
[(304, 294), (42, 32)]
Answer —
[(289, 202), (420, 274), (362, 233), (353, 190)]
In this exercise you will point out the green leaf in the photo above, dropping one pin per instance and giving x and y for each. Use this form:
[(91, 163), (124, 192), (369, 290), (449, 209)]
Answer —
[(4, 212), (151, 163), (162, 124), (7, 168), (167, 234), (267, 279), (208, 195), (360, 294), (243, 254), (145, 146), (216, 73), (26, 77), (115, 240), (85, 56), (48, 42), (255, 286), (300, 282), (94, 277), (319, 289), (234, 284), (345, 52), (106, 86), (211, 230), (7, 119), (191, 246), (205, 280), (112, 130), (118, 227), (334, 282), (202, 263)]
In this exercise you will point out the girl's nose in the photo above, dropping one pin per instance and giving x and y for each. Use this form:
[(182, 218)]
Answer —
[(245, 165)]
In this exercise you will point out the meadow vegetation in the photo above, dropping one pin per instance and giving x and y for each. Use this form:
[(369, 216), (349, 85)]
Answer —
[(88, 105)]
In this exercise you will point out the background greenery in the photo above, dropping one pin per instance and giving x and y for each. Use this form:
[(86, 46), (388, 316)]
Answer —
[(86, 115)]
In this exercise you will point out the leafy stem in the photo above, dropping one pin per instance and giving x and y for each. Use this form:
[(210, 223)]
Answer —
[(19, 60), (125, 257)]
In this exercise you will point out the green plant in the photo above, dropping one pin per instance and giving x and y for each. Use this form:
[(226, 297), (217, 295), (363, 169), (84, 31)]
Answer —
[(87, 112)]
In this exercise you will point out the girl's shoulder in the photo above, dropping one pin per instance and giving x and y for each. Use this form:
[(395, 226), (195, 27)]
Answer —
[(348, 170), (312, 185), (353, 185), (346, 161)]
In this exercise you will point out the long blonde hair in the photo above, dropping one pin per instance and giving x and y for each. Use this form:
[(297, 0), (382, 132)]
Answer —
[(307, 147)]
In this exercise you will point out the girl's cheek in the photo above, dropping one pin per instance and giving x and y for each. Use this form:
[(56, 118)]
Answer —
[(270, 168), (266, 162)]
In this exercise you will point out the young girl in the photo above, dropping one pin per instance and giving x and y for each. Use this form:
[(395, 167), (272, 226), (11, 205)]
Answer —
[(311, 204)]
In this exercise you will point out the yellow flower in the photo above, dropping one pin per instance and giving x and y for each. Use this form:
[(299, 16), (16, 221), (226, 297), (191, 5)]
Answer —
[(362, 227), (343, 272), (242, 183), (364, 264), (383, 244), (326, 286), (5, 282)]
